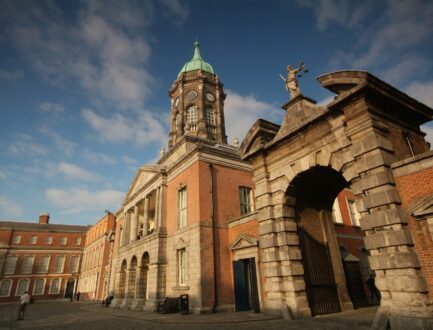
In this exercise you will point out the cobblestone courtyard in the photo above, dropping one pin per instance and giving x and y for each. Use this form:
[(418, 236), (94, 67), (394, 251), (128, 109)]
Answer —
[(64, 315)]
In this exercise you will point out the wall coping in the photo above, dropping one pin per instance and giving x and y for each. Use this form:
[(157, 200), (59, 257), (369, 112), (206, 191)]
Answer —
[(413, 164)]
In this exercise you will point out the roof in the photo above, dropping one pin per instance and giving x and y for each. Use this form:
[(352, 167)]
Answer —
[(42, 227), (196, 63)]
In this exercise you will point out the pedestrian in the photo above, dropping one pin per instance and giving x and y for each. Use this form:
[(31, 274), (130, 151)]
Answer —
[(24, 300), (78, 296), (373, 289)]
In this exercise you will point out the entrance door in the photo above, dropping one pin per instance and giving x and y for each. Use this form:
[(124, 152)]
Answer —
[(319, 277), (69, 292), (245, 285), (355, 285)]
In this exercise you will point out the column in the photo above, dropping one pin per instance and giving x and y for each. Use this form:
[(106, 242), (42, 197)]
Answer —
[(146, 216), (127, 228), (134, 224), (157, 208)]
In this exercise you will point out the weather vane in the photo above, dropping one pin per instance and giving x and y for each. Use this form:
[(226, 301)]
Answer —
[(292, 81)]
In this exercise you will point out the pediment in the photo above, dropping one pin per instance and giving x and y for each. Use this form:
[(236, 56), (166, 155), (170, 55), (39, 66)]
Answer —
[(257, 137), (142, 176), (244, 241), (423, 208)]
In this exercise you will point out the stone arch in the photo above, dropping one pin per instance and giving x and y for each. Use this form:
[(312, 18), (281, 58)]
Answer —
[(131, 277), (122, 279), (142, 283)]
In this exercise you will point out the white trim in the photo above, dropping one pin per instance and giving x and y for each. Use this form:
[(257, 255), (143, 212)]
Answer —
[(62, 266), (48, 265), (30, 270), (43, 286), (18, 285), (16, 239), (49, 240), (50, 291), (5, 271), (336, 212), (35, 239)]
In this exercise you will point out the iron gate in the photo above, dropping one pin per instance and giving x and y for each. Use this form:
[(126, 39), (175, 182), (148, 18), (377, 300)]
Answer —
[(319, 278)]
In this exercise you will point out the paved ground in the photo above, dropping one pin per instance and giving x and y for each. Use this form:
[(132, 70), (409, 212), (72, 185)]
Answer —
[(83, 316)]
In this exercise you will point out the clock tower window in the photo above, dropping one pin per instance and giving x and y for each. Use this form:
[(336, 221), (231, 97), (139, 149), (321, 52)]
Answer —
[(210, 120), (191, 118)]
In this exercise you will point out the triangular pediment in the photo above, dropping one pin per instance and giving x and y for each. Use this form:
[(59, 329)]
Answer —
[(142, 176), (257, 137), (244, 241), (423, 208)]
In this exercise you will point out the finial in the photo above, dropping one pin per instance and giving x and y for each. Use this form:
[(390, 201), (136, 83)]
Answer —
[(197, 55)]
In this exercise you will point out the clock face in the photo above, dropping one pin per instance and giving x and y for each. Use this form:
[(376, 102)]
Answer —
[(176, 101), (191, 95), (210, 97)]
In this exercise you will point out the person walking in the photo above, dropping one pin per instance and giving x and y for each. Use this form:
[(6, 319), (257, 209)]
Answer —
[(24, 300)]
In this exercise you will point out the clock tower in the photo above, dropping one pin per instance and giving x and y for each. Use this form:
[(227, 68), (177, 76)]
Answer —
[(197, 102)]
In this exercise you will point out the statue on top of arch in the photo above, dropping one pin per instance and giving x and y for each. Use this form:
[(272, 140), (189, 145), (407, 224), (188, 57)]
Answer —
[(292, 81)]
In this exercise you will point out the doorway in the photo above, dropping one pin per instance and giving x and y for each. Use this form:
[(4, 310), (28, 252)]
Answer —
[(69, 292), (245, 285)]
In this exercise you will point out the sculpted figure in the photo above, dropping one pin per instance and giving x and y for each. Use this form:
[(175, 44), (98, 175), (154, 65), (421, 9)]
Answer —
[(292, 81)]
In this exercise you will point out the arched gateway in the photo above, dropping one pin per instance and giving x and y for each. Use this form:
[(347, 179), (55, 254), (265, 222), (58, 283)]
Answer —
[(301, 166)]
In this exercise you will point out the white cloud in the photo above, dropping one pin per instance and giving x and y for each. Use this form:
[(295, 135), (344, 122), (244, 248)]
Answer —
[(25, 145), (55, 108), (75, 172), (241, 112), (177, 10), (102, 48), (9, 208), (76, 200), (11, 75), (129, 161), (65, 146), (98, 158), (422, 91), (405, 69), (428, 129), (142, 129)]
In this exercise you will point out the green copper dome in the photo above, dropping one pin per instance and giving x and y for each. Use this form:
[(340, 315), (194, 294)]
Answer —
[(197, 63)]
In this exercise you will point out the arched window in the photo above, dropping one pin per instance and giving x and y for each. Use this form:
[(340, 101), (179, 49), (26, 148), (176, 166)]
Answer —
[(5, 288), (178, 119), (210, 120), (55, 285), (191, 118), (23, 285), (39, 287)]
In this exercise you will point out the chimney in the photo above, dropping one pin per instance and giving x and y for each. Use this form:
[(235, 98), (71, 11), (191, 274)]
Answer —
[(44, 218)]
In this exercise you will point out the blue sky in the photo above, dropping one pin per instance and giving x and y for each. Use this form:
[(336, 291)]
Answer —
[(83, 84)]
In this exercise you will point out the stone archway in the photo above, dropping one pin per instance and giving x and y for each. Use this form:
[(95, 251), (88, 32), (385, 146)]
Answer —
[(120, 285), (312, 193), (130, 283), (141, 283), (360, 134)]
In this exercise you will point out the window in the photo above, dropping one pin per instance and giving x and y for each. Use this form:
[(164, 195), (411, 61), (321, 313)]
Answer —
[(191, 118), (16, 239), (336, 213), (5, 288), (11, 262), (39, 287), (210, 119), (23, 285), (182, 207), (49, 240), (181, 262), (245, 199), (178, 119), (44, 264), (121, 235), (74, 264), (33, 239), (63, 240), (60, 261), (55, 286), (78, 241), (27, 266), (354, 215)]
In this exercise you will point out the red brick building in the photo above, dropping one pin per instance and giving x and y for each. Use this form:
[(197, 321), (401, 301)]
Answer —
[(41, 258), (94, 276)]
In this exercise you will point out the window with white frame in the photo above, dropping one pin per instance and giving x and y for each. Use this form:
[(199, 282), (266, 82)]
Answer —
[(74, 264), (181, 262), (39, 287), (44, 264), (191, 117), (55, 286), (336, 213), (245, 195), (49, 240), (5, 288), (60, 262), (182, 204), (23, 286), (210, 120), (16, 239), (27, 265), (10, 264), (63, 240), (354, 214), (78, 241), (33, 239)]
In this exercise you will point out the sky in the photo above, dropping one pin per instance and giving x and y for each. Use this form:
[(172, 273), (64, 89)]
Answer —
[(84, 84)]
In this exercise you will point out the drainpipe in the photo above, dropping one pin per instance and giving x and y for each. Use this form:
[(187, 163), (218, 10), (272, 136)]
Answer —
[(212, 204)]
